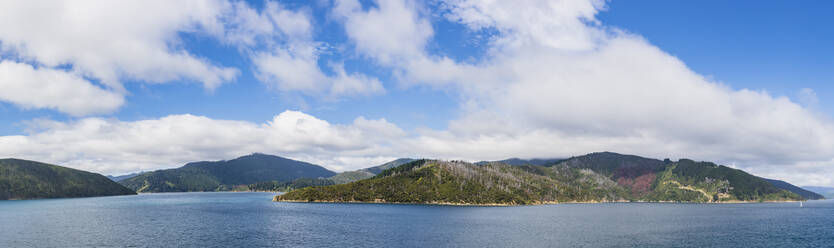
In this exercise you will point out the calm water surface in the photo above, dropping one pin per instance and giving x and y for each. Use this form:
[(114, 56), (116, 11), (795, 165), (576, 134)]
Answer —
[(252, 220)]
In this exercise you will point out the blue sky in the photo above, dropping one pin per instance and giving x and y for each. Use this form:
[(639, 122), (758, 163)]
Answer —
[(778, 46), (375, 80)]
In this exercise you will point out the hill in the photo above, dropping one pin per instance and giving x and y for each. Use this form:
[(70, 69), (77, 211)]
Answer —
[(590, 178), (123, 177), (24, 179), (432, 181), (352, 176), (809, 195), (827, 192), (519, 162), (379, 168), (225, 175)]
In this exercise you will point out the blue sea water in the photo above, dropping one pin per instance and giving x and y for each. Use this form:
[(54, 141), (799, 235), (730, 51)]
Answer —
[(253, 220)]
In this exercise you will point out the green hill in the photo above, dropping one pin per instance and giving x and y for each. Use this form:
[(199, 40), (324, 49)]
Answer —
[(123, 177), (379, 168), (23, 179), (827, 192), (225, 175), (591, 178), (431, 181), (810, 195), (520, 162), (352, 176)]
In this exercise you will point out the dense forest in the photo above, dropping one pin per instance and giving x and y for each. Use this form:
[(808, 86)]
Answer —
[(23, 179), (596, 177)]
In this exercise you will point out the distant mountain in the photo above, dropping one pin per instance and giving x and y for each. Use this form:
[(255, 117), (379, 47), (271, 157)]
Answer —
[(123, 177), (797, 190), (225, 175), (518, 161), (594, 177), (827, 192), (24, 179), (352, 176), (379, 168)]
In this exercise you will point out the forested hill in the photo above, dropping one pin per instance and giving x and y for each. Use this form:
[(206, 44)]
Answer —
[(590, 178), (799, 191), (352, 176), (379, 168), (225, 175), (123, 177), (24, 179), (520, 162)]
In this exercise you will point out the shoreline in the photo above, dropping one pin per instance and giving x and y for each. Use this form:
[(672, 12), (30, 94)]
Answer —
[(275, 199)]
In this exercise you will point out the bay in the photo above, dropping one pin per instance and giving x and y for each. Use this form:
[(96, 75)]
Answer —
[(252, 220)]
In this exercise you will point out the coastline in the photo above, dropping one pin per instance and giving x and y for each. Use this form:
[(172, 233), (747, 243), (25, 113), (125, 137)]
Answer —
[(275, 199)]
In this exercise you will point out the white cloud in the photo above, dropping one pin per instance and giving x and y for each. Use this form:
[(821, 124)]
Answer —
[(559, 24), (291, 61), (29, 88), (111, 146), (557, 82), (390, 32), (296, 69), (114, 41)]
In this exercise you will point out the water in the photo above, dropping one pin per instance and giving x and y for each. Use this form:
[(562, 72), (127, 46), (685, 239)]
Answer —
[(252, 220)]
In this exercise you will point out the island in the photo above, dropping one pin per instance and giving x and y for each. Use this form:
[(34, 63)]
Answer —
[(592, 178)]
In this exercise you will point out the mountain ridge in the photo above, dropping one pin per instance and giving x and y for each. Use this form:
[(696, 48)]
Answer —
[(225, 175)]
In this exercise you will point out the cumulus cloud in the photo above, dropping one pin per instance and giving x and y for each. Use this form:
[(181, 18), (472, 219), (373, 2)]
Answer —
[(112, 146), (391, 32), (114, 41), (556, 82), (293, 63), (30, 87)]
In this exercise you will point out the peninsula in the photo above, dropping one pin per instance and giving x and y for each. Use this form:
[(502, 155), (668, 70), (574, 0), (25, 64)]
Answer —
[(596, 177)]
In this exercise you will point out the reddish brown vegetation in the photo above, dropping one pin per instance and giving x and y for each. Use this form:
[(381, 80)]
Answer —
[(640, 185)]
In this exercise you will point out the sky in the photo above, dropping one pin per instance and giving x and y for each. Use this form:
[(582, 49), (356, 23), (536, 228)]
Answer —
[(121, 87)]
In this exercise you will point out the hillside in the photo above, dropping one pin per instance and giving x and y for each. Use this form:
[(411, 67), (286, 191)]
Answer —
[(23, 179), (225, 175), (350, 176), (123, 177), (520, 162), (827, 192), (809, 195), (379, 168), (353, 176), (590, 178), (431, 181)]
